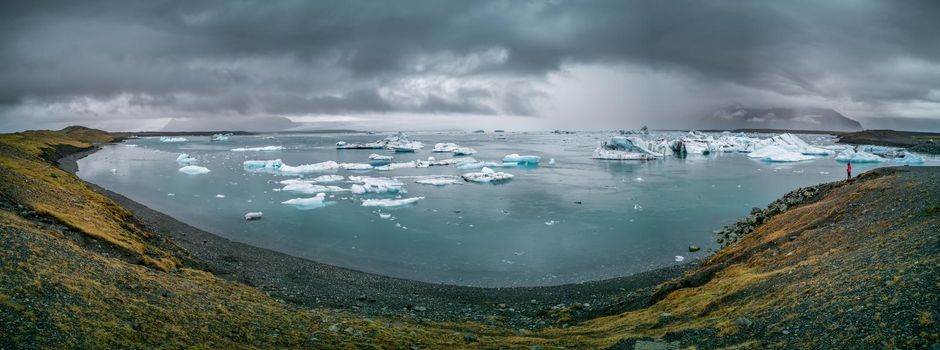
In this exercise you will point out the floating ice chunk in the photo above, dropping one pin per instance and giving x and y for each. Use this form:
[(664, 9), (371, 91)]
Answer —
[(328, 178), (774, 153), (194, 170), (390, 203), (375, 156), (220, 196), (601, 153), (367, 184), (262, 164), (909, 158), (464, 151), (385, 216), (480, 165), (883, 151), (171, 194), (637, 207), (639, 179), (405, 146), (309, 188), (680, 258), (438, 180), (487, 175), (515, 158), (218, 137), (445, 147), (551, 161), (307, 203), (550, 222), (255, 215), (308, 168), (393, 166), (355, 166), (172, 139), (259, 149), (185, 158), (851, 156)]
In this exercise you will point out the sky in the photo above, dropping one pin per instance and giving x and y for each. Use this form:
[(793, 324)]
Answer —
[(463, 64)]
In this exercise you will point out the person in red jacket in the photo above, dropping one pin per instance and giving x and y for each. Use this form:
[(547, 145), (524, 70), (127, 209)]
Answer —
[(848, 171)]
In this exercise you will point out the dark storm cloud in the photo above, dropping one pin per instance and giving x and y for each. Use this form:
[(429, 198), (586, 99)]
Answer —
[(171, 59)]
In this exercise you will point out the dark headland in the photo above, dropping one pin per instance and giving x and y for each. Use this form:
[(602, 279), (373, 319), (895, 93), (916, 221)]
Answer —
[(850, 264)]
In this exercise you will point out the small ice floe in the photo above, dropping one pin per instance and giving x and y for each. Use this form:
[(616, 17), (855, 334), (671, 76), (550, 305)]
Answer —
[(172, 139), (437, 180), (385, 216), (550, 222), (639, 179), (551, 161), (368, 184), (255, 215), (259, 149), (355, 166), (218, 137), (680, 258), (774, 153), (375, 156), (445, 147), (393, 166), (851, 156), (185, 159), (487, 175), (308, 168), (262, 164), (625, 148), (824, 172), (130, 145), (220, 196), (114, 171), (370, 145), (328, 178), (405, 146), (908, 158), (194, 170), (515, 158), (390, 203), (171, 194), (464, 151), (307, 203), (480, 165), (310, 188), (637, 207)]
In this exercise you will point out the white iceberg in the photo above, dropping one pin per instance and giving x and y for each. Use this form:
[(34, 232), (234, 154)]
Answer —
[(255, 215), (262, 164), (328, 178), (445, 147), (405, 146), (438, 180), (307, 203), (393, 166), (370, 145), (487, 175), (375, 156), (883, 151), (172, 139), (218, 137), (259, 149), (624, 148), (310, 188), (194, 170), (908, 158), (851, 156), (390, 203), (480, 165), (308, 168), (367, 184), (355, 166), (185, 158), (464, 151), (515, 158), (774, 153)]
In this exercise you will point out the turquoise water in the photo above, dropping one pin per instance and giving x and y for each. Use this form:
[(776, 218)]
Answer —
[(578, 220)]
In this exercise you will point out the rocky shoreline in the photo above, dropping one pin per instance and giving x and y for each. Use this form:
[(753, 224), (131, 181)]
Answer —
[(308, 283)]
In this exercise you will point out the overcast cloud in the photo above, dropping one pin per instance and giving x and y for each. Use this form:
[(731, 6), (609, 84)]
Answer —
[(463, 64)]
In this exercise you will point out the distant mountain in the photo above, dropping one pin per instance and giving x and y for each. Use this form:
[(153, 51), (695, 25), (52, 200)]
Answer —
[(259, 124), (740, 117)]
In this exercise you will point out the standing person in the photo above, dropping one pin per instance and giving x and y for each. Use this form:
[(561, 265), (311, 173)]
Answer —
[(848, 171)]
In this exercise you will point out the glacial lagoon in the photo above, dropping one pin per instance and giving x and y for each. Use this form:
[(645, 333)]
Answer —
[(578, 219)]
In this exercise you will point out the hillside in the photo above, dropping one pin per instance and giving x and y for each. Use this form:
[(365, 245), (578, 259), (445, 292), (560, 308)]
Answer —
[(849, 264), (924, 142), (740, 117)]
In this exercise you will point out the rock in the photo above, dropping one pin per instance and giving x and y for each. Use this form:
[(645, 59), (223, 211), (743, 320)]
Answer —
[(470, 338), (743, 322), (694, 248), (420, 308), (655, 345)]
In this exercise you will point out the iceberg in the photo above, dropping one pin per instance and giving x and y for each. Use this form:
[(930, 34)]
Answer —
[(487, 175), (307, 203), (262, 164), (390, 203), (172, 139), (355, 166), (515, 158), (437, 180), (375, 156), (308, 168), (259, 149), (194, 170), (370, 145), (185, 158), (884, 151), (393, 166), (624, 148), (908, 158), (852, 156), (218, 137), (445, 147), (464, 151), (405, 146), (480, 165), (255, 215), (774, 153), (310, 188), (367, 184), (329, 178)]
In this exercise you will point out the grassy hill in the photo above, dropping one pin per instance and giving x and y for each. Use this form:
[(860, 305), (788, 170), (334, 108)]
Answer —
[(849, 264)]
